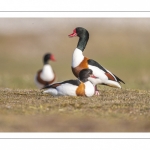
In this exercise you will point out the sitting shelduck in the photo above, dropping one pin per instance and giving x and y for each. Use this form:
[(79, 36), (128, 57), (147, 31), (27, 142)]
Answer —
[(80, 87), (46, 75)]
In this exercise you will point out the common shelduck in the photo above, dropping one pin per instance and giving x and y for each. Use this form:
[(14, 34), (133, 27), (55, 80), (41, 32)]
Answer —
[(79, 62), (46, 75), (80, 87)]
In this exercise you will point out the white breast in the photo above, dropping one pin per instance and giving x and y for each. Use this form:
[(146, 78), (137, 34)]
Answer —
[(77, 57), (47, 73), (89, 89)]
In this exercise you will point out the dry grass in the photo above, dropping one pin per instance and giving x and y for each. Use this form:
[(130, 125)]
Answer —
[(113, 111)]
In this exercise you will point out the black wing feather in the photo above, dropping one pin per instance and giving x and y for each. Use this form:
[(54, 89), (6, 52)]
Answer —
[(74, 82), (94, 63), (118, 79)]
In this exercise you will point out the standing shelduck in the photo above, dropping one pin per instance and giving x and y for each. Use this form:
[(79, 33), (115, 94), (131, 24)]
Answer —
[(46, 75), (80, 62), (79, 87)]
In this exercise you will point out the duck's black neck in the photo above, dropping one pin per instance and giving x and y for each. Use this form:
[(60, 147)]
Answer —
[(82, 42), (46, 62), (84, 80), (46, 58)]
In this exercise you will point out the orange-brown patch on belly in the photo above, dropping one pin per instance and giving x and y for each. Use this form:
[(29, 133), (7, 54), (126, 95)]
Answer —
[(81, 90), (81, 66)]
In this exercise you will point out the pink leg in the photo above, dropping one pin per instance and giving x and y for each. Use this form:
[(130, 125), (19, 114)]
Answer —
[(96, 90)]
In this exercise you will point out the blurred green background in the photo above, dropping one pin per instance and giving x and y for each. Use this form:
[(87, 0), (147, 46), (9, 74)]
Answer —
[(121, 45)]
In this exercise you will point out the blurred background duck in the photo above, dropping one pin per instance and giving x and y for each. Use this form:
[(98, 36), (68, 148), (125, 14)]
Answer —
[(46, 75)]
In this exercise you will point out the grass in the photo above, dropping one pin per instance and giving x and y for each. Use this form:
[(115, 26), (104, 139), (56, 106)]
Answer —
[(113, 111), (122, 49)]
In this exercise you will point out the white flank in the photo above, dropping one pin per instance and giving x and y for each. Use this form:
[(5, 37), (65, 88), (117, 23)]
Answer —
[(102, 78), (113, 83), (63, 90), (51, 91), (77, 57)]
